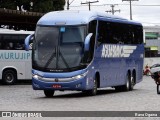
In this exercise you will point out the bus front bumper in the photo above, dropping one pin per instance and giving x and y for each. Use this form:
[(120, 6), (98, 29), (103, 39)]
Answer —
[(79, 84)]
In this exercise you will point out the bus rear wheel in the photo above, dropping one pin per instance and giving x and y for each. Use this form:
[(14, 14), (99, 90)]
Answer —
[(49, 93), (9, 77), (129, 83), (128, 86)]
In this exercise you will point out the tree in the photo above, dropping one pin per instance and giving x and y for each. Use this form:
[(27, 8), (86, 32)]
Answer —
[(25, 4), (37, 5), (13, 4), (48, 5), (58, 4), (8, 4)]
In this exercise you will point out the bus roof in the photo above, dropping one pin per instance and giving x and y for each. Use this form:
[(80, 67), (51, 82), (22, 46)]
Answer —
[(7, 31), (78, 17)]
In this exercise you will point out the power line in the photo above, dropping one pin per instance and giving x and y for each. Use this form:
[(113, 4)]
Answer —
[(113, 10), (130, 7), (89, 3), (120, 5), (140, 5)]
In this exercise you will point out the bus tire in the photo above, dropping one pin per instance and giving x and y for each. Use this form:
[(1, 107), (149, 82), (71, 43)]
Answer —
[(128, 86), (49, 93), (158, 92), (93, 91), (129, 83), (9, 77)]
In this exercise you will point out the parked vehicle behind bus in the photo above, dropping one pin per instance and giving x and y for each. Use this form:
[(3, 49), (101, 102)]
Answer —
[(155, 74), (84, 52), (15, 62)]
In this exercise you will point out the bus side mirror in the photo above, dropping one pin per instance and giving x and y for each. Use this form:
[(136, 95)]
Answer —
[(87, 41), (27, 40)]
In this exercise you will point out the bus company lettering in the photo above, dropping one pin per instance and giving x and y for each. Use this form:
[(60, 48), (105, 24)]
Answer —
[(14, 56), (112, 51), (117, 50)]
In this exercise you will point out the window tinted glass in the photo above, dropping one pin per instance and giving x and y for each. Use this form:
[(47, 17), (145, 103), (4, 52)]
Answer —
[(12, 41), (119, 33)]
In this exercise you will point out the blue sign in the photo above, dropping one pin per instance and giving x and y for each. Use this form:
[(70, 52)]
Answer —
[(62, 29)]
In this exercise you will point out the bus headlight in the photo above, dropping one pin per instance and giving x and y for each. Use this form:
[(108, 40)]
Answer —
[(36, 76), (80, 76)]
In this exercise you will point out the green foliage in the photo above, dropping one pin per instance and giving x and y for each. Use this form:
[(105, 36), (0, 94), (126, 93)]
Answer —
[(8, 4), (58, 4), (38, 5)]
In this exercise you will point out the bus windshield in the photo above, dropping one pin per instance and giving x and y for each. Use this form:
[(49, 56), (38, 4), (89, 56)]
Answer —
[(58, 48)]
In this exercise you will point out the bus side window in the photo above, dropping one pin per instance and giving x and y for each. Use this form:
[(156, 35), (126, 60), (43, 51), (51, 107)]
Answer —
[(138, 34), (92, 29), (19, 42), (127, 34), (102, 32), (113, 33), (18, 46), (8, 46), (1, 39)]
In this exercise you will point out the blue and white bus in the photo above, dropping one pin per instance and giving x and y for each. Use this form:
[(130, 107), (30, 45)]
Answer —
[(83, 50), (15, 62)]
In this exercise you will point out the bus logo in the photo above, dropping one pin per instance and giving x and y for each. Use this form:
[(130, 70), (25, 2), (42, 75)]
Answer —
[(117, 51)]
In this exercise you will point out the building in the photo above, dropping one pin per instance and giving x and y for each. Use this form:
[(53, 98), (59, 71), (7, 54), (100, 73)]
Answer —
[(19, 20), (152, 41)]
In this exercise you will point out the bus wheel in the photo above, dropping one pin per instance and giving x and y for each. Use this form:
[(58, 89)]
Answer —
[(49, 93), (158, 92), (129, 83), (128, 86), (133, 79), (9, 77), (93, 91)]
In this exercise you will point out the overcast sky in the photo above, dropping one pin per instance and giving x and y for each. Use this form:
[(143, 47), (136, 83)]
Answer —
[(148, 15)]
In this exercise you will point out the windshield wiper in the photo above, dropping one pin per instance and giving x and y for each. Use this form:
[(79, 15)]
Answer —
[(53, 56), (50, 59), (66, 64)]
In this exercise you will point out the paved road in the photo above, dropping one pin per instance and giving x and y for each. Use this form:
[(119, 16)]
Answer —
[(24, 98)]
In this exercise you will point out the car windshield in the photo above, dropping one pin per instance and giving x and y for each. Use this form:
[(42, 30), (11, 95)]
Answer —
[(58, 48)]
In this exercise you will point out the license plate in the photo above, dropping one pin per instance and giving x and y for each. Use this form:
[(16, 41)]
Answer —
[(56, 86)]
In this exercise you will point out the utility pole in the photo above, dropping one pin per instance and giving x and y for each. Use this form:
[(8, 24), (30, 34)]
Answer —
[(113, 10), (130, 7), (68, 4), (89, 3)]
